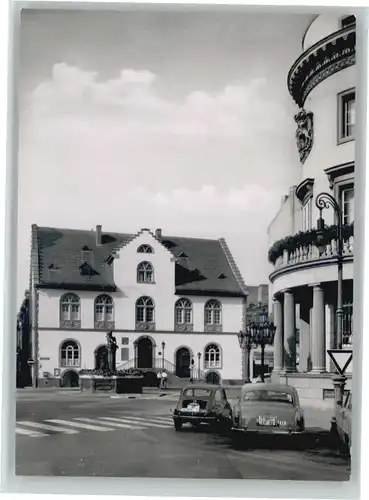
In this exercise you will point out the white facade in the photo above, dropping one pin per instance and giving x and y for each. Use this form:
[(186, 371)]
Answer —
[(86, 325), (303, 283)]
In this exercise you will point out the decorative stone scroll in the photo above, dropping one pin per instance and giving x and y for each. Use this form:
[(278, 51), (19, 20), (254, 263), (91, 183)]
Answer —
[(213, 328), (104, 325), (70, 324), (304, 133), (186, 327), (145, 326)]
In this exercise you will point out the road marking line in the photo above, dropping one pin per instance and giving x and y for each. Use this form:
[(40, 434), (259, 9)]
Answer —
[(128, 420), (26, 432), (80, 425), (165, 420), (113, 424), (47, 427), (150, 419)]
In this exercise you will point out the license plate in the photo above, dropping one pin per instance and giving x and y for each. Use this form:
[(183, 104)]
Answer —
[(267, 421), (192, 408)]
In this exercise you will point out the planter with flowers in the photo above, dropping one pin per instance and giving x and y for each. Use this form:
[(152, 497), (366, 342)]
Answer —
[(117, 381)]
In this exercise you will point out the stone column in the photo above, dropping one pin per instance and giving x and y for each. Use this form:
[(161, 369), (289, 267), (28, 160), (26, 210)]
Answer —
[(278, 337), (289, 332), (304, 337), (318, 333)]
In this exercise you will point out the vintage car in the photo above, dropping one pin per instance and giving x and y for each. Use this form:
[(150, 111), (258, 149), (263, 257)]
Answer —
[(203, 404), (267, 408), (341, 424)]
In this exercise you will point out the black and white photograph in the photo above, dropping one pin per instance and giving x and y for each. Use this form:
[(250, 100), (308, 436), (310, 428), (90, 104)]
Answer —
[(185, 287)]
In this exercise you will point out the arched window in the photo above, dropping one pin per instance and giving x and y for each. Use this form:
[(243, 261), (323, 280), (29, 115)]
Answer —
[(213, 356), (145, 273), (145, 249), (145, 310), (104, 308), (213, 313), (70, 307), (70, 353), (183, 312)]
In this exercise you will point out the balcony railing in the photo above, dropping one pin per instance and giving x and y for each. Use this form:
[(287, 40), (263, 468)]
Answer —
[(301, 248)]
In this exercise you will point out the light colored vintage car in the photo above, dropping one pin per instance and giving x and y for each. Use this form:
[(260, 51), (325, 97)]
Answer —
[(267, 408), (341, 425)]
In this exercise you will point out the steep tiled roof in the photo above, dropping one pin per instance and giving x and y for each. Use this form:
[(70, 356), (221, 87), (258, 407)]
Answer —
[(71, 259)]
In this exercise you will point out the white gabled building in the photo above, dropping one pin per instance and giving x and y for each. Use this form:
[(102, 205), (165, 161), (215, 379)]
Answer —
[(303, 283), (175, 302)]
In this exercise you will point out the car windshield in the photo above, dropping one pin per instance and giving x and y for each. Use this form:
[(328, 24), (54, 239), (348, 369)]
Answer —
[(197, 393), (266, 395)]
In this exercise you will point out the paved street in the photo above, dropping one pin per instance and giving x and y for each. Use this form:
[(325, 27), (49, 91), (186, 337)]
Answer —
[(66, 434)]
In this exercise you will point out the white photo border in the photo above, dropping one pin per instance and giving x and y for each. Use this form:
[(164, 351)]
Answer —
[(159, 488)]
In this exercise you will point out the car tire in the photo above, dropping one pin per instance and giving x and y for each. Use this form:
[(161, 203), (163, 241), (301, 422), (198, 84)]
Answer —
[(177, 425), (239, 441)]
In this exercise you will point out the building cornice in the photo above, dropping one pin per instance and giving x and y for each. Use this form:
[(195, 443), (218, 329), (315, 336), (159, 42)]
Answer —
[(302, 266), (331, 54), (304, 189), (334, 173)]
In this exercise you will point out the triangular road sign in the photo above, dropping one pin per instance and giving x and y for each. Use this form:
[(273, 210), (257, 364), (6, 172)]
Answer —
[(341, 359)]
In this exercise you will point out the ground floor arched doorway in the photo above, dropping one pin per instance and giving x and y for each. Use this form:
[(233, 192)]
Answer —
[(101, 358), (212, 378), (144, 353), (183, 363), (70, 378)]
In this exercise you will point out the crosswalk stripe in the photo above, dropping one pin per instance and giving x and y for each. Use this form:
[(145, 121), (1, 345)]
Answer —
[(47, 427), (27, 432), (80, 425), (112, 424), (146, 422), (151, 420), (166, 420)]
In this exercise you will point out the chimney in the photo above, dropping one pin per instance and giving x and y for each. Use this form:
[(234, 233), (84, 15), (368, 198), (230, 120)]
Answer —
[(158, 233), (98, 235)]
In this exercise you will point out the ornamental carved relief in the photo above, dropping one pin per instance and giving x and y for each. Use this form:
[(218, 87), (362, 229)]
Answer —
[(145, 326), (104, 325), (70, 324), (213, 328), (304, 133), (188, 327)]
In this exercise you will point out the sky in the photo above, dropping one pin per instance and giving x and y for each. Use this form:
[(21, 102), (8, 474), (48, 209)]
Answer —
[(173, 120)]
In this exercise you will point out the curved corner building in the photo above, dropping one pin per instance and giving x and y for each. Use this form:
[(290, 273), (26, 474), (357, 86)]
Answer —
[(303, 281)]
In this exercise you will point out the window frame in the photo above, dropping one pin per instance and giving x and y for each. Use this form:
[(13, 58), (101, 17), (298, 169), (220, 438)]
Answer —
[(348, 186), (211, 363), (341, 138), (144, 308), (104, 321), (145, 248), (147, 268), (74, 349), (210, 307), (70, 321), (181, 309)]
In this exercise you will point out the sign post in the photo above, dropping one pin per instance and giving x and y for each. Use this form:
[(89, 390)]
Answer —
[(342, 359)]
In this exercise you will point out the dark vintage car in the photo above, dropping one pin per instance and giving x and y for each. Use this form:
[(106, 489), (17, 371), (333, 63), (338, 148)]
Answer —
[(203, 404), (341, 424), (267, 408)]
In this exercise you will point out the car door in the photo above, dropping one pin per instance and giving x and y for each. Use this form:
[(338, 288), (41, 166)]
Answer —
[(226, 407), (218, 403)]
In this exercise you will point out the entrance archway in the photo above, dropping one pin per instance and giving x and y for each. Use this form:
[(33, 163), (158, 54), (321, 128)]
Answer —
[(212, 378), (144, 349), (70, 378), (183, 363), (101, 358)]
